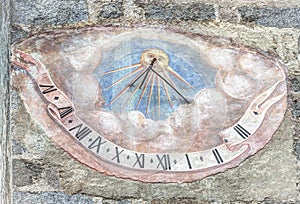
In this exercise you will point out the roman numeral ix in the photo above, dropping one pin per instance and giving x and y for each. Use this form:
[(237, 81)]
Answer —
[(96, 143)]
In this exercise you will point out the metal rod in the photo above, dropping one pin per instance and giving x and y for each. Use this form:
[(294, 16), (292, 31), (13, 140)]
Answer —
[(187, 101)]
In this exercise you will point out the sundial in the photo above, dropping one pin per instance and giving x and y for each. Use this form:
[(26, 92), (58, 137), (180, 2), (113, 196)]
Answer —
[(152, 105)]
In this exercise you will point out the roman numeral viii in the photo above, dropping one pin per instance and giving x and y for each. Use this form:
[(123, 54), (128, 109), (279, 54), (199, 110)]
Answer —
[(81, 132)]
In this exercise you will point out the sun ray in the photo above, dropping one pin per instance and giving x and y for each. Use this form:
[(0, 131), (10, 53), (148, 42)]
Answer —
[(144, 79), (124, 77), (158, 94), (150, 93), (124, 89), (165, 74), (175, 74), (118, 95), (143, 91), (167, 93), (122, 68), (130, 97)]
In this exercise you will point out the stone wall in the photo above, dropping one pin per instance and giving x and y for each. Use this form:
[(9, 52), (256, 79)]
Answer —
[(42, 173)]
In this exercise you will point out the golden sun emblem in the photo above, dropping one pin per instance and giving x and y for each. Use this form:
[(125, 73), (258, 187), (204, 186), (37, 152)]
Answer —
[(152, 72)]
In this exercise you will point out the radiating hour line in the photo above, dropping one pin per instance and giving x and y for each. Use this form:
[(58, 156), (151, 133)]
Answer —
[(125, 89), (150, 94), (124, 77), (164, 80), (158, 94), (118, 95), (122, 68), (130, 97), (144, 90), (166, 76), (175, 74), (167, 93), (144, 79)]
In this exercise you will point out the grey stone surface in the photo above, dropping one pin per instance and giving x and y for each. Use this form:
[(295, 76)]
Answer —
[(177, 201), (17, 148), (296, 108), (192, 11), (297, 150), (50, 12), (51, 175), (228, 14), (272, 17), (50, 198), (25, 173), (17, 34), (5, 136), (295, 84), (111, 10)]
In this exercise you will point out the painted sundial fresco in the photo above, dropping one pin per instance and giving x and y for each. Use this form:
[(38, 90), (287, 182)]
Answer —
[(173, 81), (151, 105)]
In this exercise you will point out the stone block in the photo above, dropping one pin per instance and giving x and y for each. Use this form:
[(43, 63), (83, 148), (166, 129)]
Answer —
[(50, 198), (295, 84), (272, 17), (297, 150), (105, 9), (51, 175), (52, 12), (192, 11), (24, 173), (229, 14), (16, 34), (111, 10), (17, 148)]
